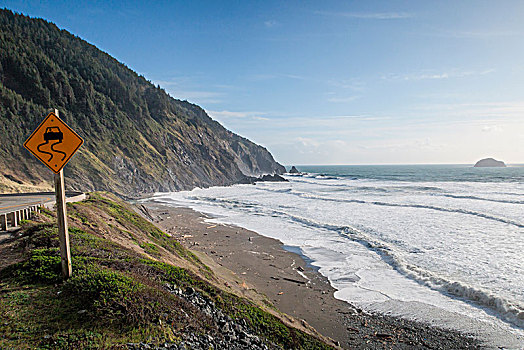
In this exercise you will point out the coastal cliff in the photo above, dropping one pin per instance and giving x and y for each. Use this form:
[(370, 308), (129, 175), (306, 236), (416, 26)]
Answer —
[(138, 139)]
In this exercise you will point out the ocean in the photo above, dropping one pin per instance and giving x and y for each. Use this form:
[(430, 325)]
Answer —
[(442, 244)]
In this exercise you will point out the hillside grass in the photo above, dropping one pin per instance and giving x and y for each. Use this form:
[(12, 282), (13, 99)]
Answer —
[(116, 294)]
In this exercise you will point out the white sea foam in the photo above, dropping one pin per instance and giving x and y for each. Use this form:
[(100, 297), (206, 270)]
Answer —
[(447, 253)]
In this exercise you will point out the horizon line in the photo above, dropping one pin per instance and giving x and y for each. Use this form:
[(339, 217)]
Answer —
[(376, 164)]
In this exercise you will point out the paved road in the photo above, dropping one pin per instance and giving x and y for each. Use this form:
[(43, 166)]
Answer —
[(15, 201), (12, 202)]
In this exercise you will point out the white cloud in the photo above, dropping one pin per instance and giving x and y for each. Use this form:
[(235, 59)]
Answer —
[(307, 142), (343, 99), (428, 76), (351, 84), (369, 15), (245, 116), (438, 133), (270, 23), (165, 83), (270, 76), (491, 128), (229, 114), (193, 94), (402, 144), (508, 110), (479, 34), (437, 75), (196, 96)]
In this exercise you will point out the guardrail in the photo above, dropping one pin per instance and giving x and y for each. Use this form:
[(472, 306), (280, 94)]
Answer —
[(11, 219)]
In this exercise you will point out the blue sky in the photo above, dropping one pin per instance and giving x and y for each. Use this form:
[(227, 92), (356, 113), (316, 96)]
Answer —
[(329, 82)]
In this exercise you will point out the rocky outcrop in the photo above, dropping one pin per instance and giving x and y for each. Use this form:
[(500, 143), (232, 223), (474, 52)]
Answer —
[(272, 178), (264, 178), (234, 334), (294, 170), (489, 163)]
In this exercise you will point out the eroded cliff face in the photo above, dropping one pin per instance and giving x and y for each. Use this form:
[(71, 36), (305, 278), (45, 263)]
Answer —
[(138, 139)]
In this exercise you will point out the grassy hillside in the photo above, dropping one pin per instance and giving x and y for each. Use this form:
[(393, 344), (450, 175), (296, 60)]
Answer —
[(131, 283), (138, 138)]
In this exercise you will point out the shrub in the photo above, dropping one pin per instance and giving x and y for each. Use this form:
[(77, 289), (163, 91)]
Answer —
[(43, 266), (100, 285)]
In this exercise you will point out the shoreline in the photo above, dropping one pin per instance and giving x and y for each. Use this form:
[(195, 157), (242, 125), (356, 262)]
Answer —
[(293, 286)]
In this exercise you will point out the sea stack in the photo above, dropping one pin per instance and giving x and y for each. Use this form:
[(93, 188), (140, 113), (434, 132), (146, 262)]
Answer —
[(489, 163), (294, 170)]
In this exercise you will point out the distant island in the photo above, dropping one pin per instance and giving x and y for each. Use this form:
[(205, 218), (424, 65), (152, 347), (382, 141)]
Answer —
[(489, 163)]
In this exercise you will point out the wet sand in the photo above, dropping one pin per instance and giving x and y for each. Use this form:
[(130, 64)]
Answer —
[(284, 277)]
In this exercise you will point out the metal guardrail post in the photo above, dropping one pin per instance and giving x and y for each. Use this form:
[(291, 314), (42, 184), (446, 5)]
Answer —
[(14, 221), (3, 222)]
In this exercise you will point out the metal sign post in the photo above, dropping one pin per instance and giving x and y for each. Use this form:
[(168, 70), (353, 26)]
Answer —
[(52, 133)]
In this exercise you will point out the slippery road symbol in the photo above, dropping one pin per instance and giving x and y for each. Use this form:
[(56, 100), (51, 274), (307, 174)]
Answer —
[(53, 142), (52, 134)]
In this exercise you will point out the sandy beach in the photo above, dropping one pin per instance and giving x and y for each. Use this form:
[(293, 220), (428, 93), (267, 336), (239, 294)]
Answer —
[(263, 265)]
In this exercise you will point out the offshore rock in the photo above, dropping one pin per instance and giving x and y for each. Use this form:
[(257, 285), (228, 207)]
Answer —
[(489, 163), (294, 170), (272, 178), (250, 180)]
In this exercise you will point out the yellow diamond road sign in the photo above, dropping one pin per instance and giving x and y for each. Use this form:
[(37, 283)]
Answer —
[(53, 142)]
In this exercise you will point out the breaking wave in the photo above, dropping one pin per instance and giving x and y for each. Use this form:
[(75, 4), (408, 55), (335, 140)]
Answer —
[(507, 310), (419, 206)]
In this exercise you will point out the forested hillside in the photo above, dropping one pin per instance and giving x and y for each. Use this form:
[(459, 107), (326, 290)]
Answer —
[(138, 139)]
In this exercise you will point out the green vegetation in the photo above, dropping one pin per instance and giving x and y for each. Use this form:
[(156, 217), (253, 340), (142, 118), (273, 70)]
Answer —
[(127, 218), (116, 294), (137, 137), (43, 265)]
